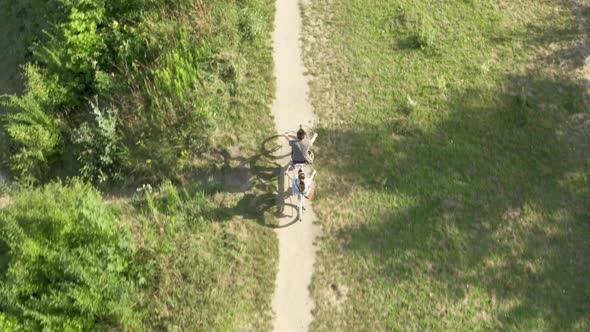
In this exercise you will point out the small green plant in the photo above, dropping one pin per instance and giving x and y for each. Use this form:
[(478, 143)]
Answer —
[(425, 34), (252, 24), (102, 151)]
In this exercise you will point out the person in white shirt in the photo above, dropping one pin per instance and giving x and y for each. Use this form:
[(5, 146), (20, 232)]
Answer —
[(301, 184)]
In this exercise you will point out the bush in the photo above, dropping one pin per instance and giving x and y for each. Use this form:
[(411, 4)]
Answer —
[(10, 323), (31, 125), (74, 47), (102, 152), (68, 260)]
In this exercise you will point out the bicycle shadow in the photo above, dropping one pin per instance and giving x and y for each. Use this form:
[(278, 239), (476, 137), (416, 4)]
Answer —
[(253, 187), (261, 183)]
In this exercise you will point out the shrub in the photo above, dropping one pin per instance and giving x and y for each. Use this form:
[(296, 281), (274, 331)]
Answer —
[(102, 152), (74, 47), (173, 70), (68, 260), (31, 125), (10, 323)]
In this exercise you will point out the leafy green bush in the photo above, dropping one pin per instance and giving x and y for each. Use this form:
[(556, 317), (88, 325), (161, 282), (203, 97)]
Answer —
[(31, 124), (102, 152), (10, 323), (68, 260), (74, 47)]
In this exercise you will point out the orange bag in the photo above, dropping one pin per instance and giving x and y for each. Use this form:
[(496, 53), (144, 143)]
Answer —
[(310, 194)]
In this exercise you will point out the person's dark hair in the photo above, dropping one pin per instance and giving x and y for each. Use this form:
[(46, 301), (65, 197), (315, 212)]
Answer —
[(300, 134), (301, 181)]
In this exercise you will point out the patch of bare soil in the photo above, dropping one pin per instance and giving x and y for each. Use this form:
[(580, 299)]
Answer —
[(4, 201)]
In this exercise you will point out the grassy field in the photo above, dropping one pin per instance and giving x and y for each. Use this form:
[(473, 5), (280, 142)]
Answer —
[(455, 165)]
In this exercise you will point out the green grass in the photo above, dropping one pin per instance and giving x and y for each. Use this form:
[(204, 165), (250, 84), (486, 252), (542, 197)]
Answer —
[(216, 272), (200, 268), (454, 165), (221, 276)]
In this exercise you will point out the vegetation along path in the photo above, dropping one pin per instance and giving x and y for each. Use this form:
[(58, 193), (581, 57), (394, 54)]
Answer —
[(291, 302)]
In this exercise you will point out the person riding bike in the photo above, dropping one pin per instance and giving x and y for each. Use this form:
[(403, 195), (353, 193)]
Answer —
[(300, 147)]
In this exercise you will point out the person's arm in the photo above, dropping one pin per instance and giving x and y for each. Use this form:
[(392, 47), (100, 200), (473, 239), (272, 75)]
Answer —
[(315, 135), (289, 176), (312, 175), (289, 137)]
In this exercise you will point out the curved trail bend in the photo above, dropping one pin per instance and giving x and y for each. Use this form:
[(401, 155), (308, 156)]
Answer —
[(291, 302)]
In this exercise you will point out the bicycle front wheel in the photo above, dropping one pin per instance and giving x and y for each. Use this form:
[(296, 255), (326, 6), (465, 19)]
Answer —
[(300, 206)]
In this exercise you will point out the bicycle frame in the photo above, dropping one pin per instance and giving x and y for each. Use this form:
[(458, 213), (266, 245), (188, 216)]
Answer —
[(300, 206), (300, 196)]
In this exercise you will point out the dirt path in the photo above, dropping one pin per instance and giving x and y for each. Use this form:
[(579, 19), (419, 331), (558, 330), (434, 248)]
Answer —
[(292, 303)]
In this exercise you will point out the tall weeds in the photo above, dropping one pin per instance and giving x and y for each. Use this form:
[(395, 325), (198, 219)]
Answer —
[(31, 126), (172, 70)]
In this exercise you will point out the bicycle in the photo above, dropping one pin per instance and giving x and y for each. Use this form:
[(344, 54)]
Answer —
[(299, 165)]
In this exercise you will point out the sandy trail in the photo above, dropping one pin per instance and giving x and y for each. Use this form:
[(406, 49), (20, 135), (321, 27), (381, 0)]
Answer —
[(292, 303)]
